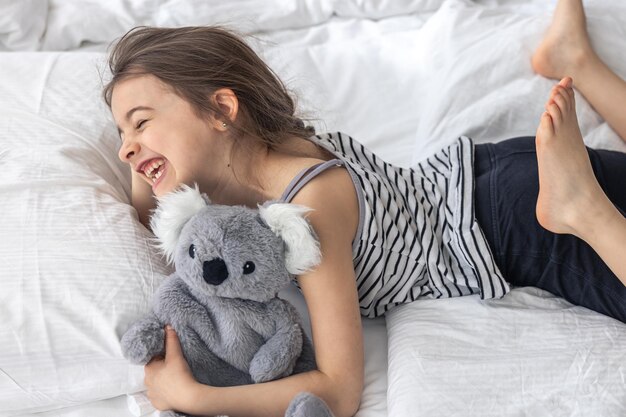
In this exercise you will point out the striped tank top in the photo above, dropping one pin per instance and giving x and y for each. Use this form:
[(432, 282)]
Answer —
[(417, 235)]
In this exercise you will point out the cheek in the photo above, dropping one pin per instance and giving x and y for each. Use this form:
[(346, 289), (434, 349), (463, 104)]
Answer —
[(152, 139)]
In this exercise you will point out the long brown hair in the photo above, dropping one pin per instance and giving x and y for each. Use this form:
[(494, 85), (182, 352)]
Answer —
[(195, 62)]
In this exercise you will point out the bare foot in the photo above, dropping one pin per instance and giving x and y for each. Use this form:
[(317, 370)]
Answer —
[(566, 44), (568, 189)]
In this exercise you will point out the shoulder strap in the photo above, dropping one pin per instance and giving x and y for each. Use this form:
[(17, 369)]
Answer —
[(305, 176)]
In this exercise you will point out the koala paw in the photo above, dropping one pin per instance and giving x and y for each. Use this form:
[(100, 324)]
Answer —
[(306, 404), (143, 341), (263, 369)]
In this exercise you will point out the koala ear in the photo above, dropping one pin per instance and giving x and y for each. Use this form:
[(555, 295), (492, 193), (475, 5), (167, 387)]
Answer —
[(173, 210), (288, 222)]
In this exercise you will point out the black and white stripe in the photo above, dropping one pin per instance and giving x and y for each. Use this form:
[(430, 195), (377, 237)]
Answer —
[(418, 235)]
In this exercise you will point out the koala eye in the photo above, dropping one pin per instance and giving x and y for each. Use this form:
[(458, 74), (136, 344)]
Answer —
[(192, 251), (248, 268)]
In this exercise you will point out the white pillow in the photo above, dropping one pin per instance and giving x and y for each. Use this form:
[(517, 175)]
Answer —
[(73, 23), (22, 23), (75, 265), (247, 16)]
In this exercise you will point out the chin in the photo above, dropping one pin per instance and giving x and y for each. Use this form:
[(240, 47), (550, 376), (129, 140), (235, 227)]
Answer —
[(165, 188), (161, 190)]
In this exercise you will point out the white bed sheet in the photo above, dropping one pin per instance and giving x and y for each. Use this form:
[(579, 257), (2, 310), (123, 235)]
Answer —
[(528, 354)]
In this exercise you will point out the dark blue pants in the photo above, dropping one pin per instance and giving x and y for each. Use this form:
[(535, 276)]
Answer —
[(507, 186)]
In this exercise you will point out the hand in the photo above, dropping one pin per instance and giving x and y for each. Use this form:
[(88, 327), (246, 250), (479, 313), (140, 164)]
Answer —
[(169, 381)]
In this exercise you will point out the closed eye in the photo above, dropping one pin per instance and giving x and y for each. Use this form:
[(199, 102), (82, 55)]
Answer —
[(140, 124)]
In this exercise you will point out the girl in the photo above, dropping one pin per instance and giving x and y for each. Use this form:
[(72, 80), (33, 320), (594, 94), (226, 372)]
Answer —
[(198, 105)]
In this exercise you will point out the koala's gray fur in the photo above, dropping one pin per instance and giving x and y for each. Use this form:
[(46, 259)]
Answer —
[(222, 299)]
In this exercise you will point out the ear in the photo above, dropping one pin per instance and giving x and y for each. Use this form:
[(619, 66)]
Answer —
[(288, 222), (226, 100), (173, 211)]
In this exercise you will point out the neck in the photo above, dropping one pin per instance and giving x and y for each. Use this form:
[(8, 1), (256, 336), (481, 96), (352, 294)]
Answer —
[(257, 174), (251, 179)]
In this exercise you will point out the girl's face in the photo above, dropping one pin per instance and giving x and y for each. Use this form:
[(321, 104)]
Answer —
[(163, 139)]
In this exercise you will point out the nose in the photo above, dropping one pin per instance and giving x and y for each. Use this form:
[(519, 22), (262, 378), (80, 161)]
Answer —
[(214, 271), (128, 149)]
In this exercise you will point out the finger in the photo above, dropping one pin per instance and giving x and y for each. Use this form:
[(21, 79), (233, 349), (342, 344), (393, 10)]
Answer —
[(172, 344), (154, 360)]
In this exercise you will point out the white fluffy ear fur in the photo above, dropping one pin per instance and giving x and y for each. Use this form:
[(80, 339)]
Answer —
[(173, 210), (288, 222)]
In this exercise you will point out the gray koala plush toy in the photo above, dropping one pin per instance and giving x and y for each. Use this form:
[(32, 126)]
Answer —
[(230, 263)]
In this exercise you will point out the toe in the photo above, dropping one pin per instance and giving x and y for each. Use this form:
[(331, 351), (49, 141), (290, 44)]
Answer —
[(561, 98), (558, 89), (572, 97), (546, 128), (555, 113), (554, 90), (567, 82)]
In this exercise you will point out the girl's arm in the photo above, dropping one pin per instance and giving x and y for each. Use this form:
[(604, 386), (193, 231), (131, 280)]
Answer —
[(331, 295)]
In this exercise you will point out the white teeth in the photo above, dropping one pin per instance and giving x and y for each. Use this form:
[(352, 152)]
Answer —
[(149, 168), (157, 175)]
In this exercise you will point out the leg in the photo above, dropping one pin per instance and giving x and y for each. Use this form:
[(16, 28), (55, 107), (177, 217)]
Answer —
[(570, 198), (507, 188), (566, 51)]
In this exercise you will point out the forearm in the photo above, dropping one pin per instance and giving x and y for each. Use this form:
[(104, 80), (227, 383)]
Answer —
[(272, 398)]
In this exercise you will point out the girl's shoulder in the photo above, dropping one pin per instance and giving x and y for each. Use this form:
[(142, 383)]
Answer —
[(333, 199), (309, 148), (323, 183)]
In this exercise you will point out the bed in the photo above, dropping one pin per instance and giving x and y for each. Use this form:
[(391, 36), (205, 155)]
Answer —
[(404, 77)]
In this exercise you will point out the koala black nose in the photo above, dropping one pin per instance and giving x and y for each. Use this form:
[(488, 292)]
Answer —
[(214, 272)]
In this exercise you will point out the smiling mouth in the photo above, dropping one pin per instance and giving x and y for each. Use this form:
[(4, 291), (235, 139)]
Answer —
[(151, 168), (156, 176)]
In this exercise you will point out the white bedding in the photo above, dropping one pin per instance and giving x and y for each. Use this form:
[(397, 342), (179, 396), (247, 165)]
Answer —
[(405, 78), (529, 353)]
